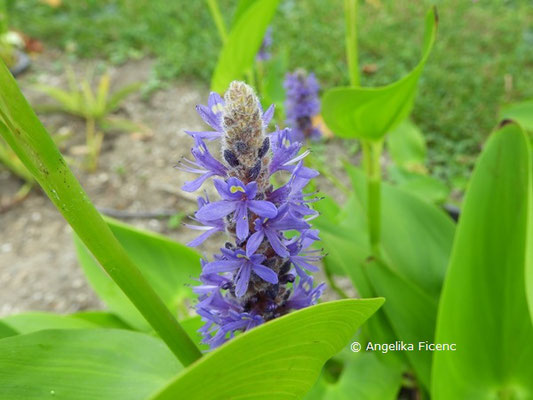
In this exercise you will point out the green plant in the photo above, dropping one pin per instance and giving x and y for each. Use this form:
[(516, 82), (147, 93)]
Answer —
[(94, 106), (460, 297), (85, 360), (521, 112), (395, 244), (479, 43), (10, 160), (242, 44), (7, 50)]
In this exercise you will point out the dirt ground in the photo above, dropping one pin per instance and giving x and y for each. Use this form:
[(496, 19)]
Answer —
[(38, 266)]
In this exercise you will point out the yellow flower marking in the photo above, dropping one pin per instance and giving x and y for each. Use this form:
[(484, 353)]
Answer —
[(235, 189), (217, 108)]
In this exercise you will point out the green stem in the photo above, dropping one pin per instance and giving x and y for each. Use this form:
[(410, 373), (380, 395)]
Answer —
[(23, 131), (371, 157), (350, 11), (219, 21)]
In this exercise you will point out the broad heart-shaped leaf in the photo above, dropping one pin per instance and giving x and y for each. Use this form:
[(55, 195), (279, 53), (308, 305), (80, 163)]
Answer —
[(483, 307), (370, 113), (167, 265), (364, 377), (520, 112), (79, 364), (278, 360), (244, 40)]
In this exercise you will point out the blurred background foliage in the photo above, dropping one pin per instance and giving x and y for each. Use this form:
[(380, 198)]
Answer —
[(482, 59)]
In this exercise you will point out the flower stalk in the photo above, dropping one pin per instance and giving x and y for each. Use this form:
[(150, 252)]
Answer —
[(371, 149), (350, 12)]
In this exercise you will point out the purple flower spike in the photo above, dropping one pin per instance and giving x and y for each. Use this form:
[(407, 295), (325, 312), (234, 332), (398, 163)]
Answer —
[(302, 104), (259, 274)]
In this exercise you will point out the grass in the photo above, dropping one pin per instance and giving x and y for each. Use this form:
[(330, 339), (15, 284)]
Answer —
[(483, 56)]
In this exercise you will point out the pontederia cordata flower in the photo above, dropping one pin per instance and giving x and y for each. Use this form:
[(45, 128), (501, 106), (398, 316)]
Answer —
[(261, 273)]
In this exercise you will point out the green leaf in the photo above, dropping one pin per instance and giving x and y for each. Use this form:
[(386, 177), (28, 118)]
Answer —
[(6, 330), (426, 187), (102, 91), (520, 112), (483, 309), (370, 113), (416, 236), (167, 265), (280, 359), (347, 251), (416, 243), (28, 138), (242, 6), (364, 377), (238, 54), (118, 97), (407, 146), (68, 102), (84, 365), (102, 319), (37, 321), (412, 313)]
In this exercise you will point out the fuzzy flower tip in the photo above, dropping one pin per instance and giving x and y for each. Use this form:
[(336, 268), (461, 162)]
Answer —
[(260, 273), (302, 104)]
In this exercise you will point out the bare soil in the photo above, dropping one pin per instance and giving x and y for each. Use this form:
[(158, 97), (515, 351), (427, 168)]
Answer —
[(38, 266)]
